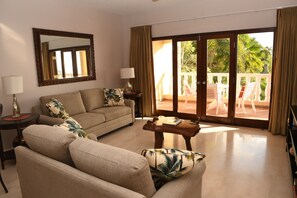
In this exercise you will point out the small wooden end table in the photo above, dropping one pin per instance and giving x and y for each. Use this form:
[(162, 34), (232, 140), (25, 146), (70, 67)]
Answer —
[(8, 123), (186, 128), (137, 97)]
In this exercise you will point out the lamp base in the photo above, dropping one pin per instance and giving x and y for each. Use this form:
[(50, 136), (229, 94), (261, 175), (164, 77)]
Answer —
[(128, 87), (15, 108)]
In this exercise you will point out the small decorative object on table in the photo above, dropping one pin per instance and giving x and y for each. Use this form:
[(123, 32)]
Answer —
[(169, 120)]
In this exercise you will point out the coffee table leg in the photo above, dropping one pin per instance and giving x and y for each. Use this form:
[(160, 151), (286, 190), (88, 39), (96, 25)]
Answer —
[(188, 142), (159, 139)]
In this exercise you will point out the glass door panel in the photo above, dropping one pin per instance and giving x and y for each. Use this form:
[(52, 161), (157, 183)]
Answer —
[(81, 62), (217, 85), (68, 64), (187, 76), (254, 67), (163, 73)]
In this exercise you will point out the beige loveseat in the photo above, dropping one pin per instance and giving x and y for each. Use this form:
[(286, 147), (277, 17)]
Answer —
[(59, 165), (87, 107)]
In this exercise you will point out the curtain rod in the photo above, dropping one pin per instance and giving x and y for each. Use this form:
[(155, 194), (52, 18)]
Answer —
[(218, 15)]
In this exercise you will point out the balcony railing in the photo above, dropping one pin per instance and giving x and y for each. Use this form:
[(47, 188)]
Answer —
[(262, 91)]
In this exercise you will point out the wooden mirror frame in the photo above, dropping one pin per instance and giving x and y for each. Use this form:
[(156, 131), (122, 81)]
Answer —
[(38, 56)]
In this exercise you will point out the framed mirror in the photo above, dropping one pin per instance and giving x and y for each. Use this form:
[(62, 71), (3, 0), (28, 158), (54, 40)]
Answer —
[(63, 57)]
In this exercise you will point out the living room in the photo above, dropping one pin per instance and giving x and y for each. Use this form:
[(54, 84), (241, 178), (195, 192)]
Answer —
[(110, 23)]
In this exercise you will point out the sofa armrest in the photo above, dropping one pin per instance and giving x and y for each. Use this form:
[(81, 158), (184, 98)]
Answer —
[(47, 120), (189, 185), (131, 104)]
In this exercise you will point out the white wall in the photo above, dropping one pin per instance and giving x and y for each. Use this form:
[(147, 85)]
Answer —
[(18, 17), (206, 16)]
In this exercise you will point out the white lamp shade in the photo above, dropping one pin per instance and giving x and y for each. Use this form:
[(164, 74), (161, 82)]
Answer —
[(12, 84), (127, 73)]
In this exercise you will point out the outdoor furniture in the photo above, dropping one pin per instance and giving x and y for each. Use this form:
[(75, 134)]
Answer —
[(215, 93), (186, 128), (247, 93)]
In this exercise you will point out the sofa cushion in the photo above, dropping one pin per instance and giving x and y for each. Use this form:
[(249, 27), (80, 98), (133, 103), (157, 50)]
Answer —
[(113, 97), (112, 113), (92, 98), (168, 164), (112, 164), (72, 102), (73, 126), (88, 120), (56, 109), (49, 141)]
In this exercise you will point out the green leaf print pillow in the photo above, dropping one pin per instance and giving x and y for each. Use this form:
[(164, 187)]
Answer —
[(113, 97), (73, 126), (56, 109), (168, 164)]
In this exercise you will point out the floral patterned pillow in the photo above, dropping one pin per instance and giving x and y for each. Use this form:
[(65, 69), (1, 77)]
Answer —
[(113, 97), (56, 109), (73, 126), (168, 164)]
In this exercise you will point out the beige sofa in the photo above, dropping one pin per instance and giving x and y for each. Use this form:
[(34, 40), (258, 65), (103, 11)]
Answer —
[(59, 165), (87, 107)]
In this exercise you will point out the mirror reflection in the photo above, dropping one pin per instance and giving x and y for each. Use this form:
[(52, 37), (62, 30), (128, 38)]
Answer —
[(63, 57)]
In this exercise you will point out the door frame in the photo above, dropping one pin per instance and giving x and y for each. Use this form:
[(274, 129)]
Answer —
[(201, 100)]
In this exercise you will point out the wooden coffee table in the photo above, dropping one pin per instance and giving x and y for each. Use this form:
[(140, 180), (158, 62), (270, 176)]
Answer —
[(186, 128)]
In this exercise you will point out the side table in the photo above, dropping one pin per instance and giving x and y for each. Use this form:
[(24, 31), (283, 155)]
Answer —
[(137, 97), (8, 123)]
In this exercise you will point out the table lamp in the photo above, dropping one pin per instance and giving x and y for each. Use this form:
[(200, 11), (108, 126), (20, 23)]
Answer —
[(13, 85), (127, 73)]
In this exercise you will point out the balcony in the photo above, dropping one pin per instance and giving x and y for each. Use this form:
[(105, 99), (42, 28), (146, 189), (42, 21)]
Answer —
[(187, 98)]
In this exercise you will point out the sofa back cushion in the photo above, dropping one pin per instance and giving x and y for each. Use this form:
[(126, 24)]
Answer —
[(50, 141), (72, 102), (112, 164), (92, 98)]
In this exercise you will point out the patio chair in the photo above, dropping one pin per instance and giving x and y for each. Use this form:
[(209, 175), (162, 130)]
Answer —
[(215, 94), (188, 92), (247, 93)]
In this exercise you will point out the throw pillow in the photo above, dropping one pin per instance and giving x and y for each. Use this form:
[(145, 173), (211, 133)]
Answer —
[(73, 126), (56, 109), (113, 97), (168, 164)]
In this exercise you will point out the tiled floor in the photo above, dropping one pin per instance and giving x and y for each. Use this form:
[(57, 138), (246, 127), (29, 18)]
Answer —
[(241, 162)]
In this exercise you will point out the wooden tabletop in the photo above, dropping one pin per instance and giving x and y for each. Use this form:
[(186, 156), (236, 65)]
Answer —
[(186, 127)]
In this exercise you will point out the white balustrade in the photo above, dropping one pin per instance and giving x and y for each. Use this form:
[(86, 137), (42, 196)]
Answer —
[(223, 78)]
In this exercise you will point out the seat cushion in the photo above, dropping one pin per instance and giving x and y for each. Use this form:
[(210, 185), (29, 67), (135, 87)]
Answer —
[(49, 141), (112, 113), (92, 98), (72, 102), (112, 164), (88, 120)]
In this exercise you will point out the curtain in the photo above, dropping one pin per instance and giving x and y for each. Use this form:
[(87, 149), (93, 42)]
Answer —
[(284, 91), (45, 61), (142, 60)]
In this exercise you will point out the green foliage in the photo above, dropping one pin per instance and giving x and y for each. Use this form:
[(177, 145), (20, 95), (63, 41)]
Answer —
[(252, 57)]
